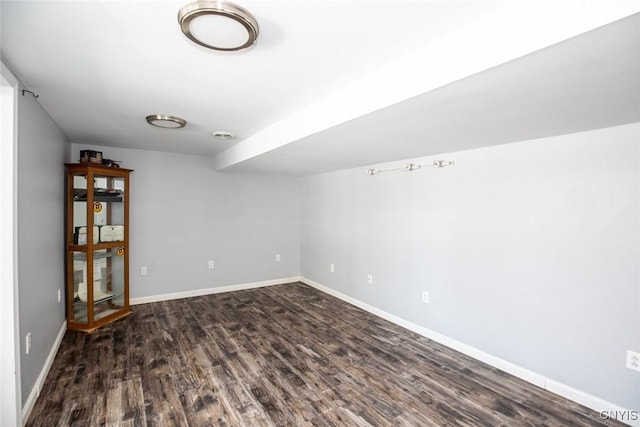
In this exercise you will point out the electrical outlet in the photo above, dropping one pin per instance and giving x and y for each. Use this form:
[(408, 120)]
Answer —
[(425, 297), (370, 279), (59, 295), (27, 343), (143, 270), (211, 265), (277, 257), (633, 360), (332, 268)]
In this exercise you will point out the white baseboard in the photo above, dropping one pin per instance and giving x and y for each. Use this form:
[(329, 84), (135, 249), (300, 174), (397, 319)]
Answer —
[(35, 391), (209, 291), (581, 397)]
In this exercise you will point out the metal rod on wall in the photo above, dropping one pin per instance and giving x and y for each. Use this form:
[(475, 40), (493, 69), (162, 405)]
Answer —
[(409, 167)]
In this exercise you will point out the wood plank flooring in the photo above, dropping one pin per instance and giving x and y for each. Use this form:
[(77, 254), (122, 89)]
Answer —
[(285, 355)]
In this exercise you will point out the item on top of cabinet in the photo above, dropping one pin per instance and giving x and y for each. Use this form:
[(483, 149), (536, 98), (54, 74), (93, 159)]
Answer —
[(111, 163), (91, 156)]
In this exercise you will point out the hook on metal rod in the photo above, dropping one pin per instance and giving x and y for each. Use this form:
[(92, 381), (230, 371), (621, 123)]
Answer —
[(32, 93)]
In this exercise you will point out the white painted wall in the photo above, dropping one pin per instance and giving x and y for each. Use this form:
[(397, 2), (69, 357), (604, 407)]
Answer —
[(184, 214), (10, 396), (529, 251)]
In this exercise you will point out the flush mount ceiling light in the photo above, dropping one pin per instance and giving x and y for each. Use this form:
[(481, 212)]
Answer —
[(218, 25), (221, 134), (165, 121)]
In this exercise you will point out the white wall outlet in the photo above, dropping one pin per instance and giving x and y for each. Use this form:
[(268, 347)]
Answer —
[(633, 360), (277, 257), (211, 264), (332, 268), (27, 343), (425, 297), (143, 270), (59, 295), (370, 279)]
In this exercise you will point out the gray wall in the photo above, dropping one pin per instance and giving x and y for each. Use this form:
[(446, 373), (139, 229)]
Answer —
[(42, 151), (184, 214), (529, 251)]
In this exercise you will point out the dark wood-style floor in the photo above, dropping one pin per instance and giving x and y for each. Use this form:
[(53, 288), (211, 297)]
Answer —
[(284, 355)]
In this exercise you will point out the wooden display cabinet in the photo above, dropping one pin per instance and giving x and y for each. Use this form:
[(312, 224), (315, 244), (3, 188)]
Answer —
[(97, 245)]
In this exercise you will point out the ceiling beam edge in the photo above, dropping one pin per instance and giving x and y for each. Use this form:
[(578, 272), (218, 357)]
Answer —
[(515, 30)]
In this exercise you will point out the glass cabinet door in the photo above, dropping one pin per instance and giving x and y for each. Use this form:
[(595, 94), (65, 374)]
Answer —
[(98, 286), (108, 208), (79, 213), (97, 262)]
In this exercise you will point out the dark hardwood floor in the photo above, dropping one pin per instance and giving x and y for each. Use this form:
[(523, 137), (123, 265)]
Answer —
[(285, 355)]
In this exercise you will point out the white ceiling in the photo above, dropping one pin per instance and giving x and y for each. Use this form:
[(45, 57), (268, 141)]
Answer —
[(330, 84)]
